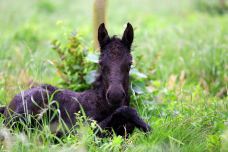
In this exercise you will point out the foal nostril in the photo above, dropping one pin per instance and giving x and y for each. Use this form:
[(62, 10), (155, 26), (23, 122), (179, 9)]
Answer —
[(108, 95), (123, 94)]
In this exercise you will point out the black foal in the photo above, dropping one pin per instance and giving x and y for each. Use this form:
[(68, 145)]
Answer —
[(107, 102)]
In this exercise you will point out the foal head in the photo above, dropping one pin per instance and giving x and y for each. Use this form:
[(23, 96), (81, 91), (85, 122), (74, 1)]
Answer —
[(115, 64)]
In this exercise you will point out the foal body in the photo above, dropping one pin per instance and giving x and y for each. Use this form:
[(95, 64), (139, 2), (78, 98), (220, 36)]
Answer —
[(107, 102)]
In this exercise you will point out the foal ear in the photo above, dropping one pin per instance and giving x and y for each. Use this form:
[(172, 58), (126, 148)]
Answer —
[(128, 35), (103, 36)]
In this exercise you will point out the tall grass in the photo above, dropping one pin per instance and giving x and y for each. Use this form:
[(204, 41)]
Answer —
[(180, 54)]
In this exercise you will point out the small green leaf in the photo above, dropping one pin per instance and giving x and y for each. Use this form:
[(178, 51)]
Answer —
[(135, 72), (91, 76), (92, 57)]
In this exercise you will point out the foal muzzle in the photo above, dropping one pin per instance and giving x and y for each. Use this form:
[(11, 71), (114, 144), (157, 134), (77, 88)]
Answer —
[(115, 95)]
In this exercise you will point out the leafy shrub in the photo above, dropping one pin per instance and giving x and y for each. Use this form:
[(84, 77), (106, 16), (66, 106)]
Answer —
[(76, 65)]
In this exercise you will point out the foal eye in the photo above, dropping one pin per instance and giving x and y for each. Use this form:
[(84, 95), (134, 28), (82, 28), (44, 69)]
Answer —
[(129, 65)]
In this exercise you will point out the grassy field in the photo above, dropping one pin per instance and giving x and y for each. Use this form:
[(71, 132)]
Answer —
[(182, 50)]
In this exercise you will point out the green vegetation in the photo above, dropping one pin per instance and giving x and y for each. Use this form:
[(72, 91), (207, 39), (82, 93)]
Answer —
[(77, 65), (180, 51)]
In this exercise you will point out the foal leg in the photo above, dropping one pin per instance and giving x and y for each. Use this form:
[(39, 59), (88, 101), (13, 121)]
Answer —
[(123, 121)]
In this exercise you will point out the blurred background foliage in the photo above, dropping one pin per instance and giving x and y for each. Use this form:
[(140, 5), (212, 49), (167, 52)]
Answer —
[(179, 73), (212, 6)]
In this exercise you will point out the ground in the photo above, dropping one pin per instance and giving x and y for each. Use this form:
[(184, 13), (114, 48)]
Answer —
[(181, 50)]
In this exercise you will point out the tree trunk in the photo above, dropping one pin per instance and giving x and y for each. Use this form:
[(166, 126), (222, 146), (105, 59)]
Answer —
[(222, 3), (99, 16)]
